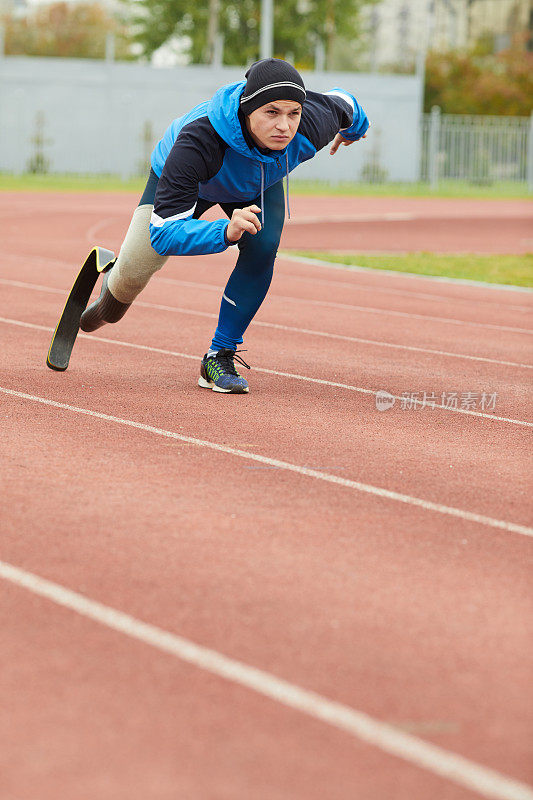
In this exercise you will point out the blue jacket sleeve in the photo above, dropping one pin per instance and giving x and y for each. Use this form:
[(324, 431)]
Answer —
[(196, 155), (360, 122), (188, 237), (325, 114)]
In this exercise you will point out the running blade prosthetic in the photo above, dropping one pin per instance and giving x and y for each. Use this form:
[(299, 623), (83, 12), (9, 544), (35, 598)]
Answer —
[(98, 260)]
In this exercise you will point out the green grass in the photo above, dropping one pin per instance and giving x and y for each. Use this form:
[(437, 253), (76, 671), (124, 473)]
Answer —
[(112, 183), (497, 191), (510, 270), (70, 183)]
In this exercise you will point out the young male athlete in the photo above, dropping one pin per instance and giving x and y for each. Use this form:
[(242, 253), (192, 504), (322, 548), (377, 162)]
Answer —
[(233, 150)]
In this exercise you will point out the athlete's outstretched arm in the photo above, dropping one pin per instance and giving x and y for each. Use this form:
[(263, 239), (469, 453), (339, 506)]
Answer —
[(325, 115)]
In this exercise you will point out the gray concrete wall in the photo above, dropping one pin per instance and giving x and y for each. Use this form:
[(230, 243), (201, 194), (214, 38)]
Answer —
[(95, 113)]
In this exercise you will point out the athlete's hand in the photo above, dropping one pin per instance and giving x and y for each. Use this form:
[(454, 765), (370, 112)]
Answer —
[(243, 220), (341, 140)]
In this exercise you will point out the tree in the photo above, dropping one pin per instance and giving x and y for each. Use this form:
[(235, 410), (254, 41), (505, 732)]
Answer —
[(298, 26), (65, 30), (463, 83)]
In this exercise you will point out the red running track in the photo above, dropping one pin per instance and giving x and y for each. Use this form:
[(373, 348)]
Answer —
[(440, 225), (263, 531)]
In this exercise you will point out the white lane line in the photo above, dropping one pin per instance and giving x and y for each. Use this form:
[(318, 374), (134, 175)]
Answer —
[(412, 293), (352, 307), (94, 229), (361, 287), (267, 371), (387, 216), (403, 315), (358, 340), (35, 286), (289, 328), (409, 315), (367, 488), (319, 262), (444, 763)]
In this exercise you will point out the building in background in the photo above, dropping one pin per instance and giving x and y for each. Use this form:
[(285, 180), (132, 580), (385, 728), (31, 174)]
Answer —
[(17, 7), (399, 31), (27, 6), (501, 20)]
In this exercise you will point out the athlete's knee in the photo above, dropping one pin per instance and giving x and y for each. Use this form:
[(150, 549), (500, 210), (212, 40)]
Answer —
[(263, 245), (137, 260)]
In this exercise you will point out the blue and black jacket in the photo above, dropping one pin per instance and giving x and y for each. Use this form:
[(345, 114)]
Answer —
[(209, 155)]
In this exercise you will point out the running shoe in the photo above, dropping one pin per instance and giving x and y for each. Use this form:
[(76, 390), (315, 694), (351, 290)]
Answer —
[(217, 372)]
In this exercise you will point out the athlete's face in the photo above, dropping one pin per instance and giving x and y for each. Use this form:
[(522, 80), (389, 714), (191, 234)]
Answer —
[(274, 125)]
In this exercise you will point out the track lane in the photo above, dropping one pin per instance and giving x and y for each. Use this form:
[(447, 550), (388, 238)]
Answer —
[(302, 271), (353, 361), (291, 329), (479, 225), (329, 273), (447, 765), (203, 274), (460, 408), (402, 302), (317, 428), (475, 234), (377, 599), (348, 318), (161, 729), (408, 284), (368, 584)]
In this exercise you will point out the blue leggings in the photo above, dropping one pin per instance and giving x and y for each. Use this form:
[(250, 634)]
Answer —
[(250, 280), (251, 277)]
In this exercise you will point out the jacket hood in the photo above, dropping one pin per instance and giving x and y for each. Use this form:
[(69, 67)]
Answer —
[(223, 114)]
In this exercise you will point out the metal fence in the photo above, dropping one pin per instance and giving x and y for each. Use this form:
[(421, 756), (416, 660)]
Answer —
[(476, 149)]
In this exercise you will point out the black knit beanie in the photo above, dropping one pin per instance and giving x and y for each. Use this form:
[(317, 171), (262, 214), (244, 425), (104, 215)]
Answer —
[(271, 79)]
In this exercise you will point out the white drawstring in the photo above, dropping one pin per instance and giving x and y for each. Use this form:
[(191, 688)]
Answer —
[(288, 206), (262, 195), (263, 191)]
